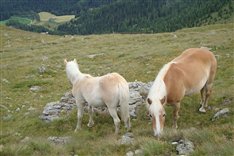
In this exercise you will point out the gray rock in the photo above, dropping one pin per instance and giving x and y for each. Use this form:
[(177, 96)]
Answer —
[(7, 117), (139, 152), (220, 113), (31, 108), (44, 58), (127, 139), (67, 102), (95, 55), (227, 101), (35, 88), (184, 147), (42, 69), (59, 140), (26, 139), (5, 81), (130, 153)]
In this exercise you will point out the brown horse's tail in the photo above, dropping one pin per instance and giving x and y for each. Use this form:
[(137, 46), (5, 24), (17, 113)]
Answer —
[(124, 103)]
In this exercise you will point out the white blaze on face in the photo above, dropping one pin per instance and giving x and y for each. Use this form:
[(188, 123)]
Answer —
[(157, 131), (155, 111)]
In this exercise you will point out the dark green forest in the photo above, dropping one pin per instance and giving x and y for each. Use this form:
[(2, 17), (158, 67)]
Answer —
[(123, 16), (59, 7), (148, 16)]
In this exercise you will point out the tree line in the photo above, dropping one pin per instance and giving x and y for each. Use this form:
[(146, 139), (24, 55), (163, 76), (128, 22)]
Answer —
[(123, 16), (151, 16)]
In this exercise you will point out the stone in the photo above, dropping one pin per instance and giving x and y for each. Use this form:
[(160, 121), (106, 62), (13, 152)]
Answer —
[(5, 81), (127, 139), (221, 113), (17, 109), (227, 101), (59, 140), (139, 152), (67, 103), (130, 153), (184, 147), (42, 69), (31, 108), (25, 140), (7, 117), (35, 88), (44, 58), (94, 55)]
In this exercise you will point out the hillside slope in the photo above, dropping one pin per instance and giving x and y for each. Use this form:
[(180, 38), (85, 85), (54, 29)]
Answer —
[(136, 57), (127, 16)]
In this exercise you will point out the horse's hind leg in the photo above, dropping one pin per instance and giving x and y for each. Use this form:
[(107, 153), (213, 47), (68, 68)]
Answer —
[(208, 93), (203, 98), (205, 94), (128, 124), (207, 89), (91, 122), (80, 112), (114, 115)]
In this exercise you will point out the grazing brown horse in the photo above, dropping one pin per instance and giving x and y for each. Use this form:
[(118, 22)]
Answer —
[(193, 71)]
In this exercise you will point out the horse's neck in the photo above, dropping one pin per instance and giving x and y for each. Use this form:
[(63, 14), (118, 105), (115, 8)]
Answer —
[(76, 77), (80, 77), (159, 86)]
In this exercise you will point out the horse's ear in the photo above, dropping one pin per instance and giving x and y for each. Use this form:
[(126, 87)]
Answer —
[(75, 60), (149, 101), (163, 100), (65, 61)]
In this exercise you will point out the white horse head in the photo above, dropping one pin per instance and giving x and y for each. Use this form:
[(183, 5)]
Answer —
[(155, 101), (72, 70), (158, 114)]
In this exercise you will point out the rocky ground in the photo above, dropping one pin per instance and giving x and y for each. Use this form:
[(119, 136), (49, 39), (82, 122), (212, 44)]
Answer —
[(56, 110), (53, 110)]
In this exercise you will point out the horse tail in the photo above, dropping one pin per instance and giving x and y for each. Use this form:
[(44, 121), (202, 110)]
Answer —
[(124, 103)]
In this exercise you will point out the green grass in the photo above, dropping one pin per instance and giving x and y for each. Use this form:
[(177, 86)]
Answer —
[(136, 57), (51, 21)]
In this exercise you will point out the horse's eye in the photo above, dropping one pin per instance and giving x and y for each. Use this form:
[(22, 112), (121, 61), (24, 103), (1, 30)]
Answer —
[(164, 115)]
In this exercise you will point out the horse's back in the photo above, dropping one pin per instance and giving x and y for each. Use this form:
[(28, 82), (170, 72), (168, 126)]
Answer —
[(112, 84), (189, 72), (111, 80), (195, 55)]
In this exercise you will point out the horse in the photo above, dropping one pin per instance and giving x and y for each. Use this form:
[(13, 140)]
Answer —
[(191, 72), (110, 90)]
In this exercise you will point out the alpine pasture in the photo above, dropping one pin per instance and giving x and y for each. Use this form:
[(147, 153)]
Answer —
[(134, 56)]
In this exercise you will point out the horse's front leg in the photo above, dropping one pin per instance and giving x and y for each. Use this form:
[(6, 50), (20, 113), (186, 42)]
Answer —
[(80, 112), (176, 114), (91, 122)]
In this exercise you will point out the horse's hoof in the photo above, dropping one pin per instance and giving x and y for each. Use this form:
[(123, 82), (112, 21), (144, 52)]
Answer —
[(90, 125), (202, 110), (77, 129), (175, 126)]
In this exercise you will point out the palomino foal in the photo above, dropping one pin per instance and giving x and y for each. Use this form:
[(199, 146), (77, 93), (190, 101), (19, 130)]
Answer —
[(193, 71), (110, 90)]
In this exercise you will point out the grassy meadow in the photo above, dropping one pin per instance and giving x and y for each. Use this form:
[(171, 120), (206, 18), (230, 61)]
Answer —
[(138, 57), (52, 21)]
